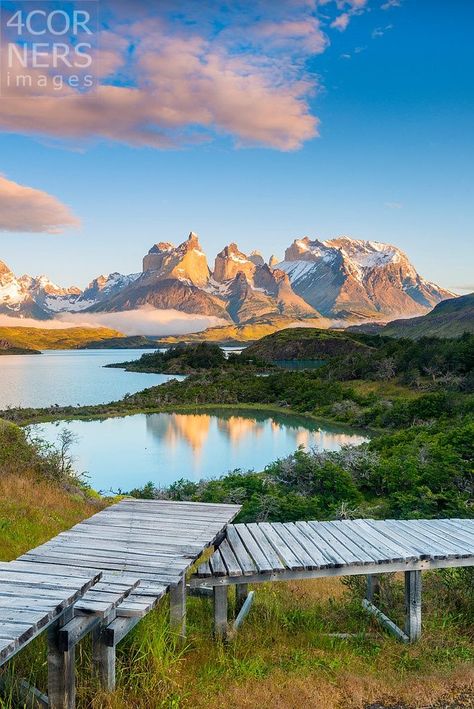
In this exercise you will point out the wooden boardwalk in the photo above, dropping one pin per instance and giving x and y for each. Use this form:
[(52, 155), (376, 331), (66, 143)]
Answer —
[(101, 577), (255, 553)]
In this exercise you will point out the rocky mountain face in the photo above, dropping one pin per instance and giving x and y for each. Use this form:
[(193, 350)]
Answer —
[(347, 278), (340, 279)]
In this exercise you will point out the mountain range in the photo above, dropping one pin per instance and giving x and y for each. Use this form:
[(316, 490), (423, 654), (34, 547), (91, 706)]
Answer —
[(341, 279)]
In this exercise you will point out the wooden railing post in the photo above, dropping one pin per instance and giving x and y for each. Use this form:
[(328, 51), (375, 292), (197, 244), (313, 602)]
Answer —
[(61, 671), (413, 605)]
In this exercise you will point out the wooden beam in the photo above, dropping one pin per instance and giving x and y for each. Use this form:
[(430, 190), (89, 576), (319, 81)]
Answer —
[(350, 570), (73, 632), (220, 612), (413, 605), (243, 612), (385, 621), (178, 609)]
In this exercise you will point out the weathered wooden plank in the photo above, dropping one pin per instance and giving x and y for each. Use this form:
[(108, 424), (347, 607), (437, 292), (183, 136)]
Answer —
[(243, 611), (217, 564), (258, 556), (300, 552), (410, 545), (220, 612), (245, 560), (286, 553), (204, 570), (241, 594), (265, 546), (455, 531), (367, 553), (304, 536), (413, 535), (372, 537), (61, 671), (443, 545), (337, 554), (178, 609), (117, 563), (229, 558), (18, 566)]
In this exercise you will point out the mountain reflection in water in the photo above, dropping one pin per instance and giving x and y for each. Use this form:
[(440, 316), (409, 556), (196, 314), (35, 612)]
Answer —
[(128, 452)]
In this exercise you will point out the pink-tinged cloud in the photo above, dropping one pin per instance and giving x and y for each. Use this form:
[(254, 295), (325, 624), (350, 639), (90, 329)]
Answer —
[(25, 209), (341, 22), (182, 90), (184, 72)]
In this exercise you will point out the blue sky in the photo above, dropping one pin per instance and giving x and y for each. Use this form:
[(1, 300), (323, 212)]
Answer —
[(393, 93)]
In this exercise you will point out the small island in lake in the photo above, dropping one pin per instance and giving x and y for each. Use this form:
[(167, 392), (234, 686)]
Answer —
[(184, 359)]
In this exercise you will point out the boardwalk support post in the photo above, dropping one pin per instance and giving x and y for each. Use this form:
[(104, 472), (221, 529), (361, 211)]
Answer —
[(241, 593), (178, 609), (61, 676), (413, 605), (373, 588), (103, 656), (220, 612)]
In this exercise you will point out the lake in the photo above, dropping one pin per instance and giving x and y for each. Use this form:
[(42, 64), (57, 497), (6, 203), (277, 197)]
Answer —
[(70, 377), (123, 453)]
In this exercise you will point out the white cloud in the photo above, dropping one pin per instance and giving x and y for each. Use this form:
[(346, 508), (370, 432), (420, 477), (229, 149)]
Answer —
[(25, 209)]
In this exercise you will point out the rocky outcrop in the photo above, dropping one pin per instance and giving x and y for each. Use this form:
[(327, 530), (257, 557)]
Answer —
[(186, 262), (246, 303), (277, 284), (231, 261)]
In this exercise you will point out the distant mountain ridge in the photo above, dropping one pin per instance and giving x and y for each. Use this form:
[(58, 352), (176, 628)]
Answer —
[(344, 279)]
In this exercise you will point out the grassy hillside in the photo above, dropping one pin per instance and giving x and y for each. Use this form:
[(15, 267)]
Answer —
[(450, 318), (35, 501), (301, 343), (123, 342), (65, 339), (249, 332)]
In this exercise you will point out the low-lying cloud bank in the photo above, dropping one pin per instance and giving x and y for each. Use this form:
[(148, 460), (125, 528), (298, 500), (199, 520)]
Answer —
[(146, 321)]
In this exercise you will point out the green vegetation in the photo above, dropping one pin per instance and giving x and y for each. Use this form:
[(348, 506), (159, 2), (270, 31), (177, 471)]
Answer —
[(40, 492), (62, 339), (123, 342), (305, 343), (189, 359)]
